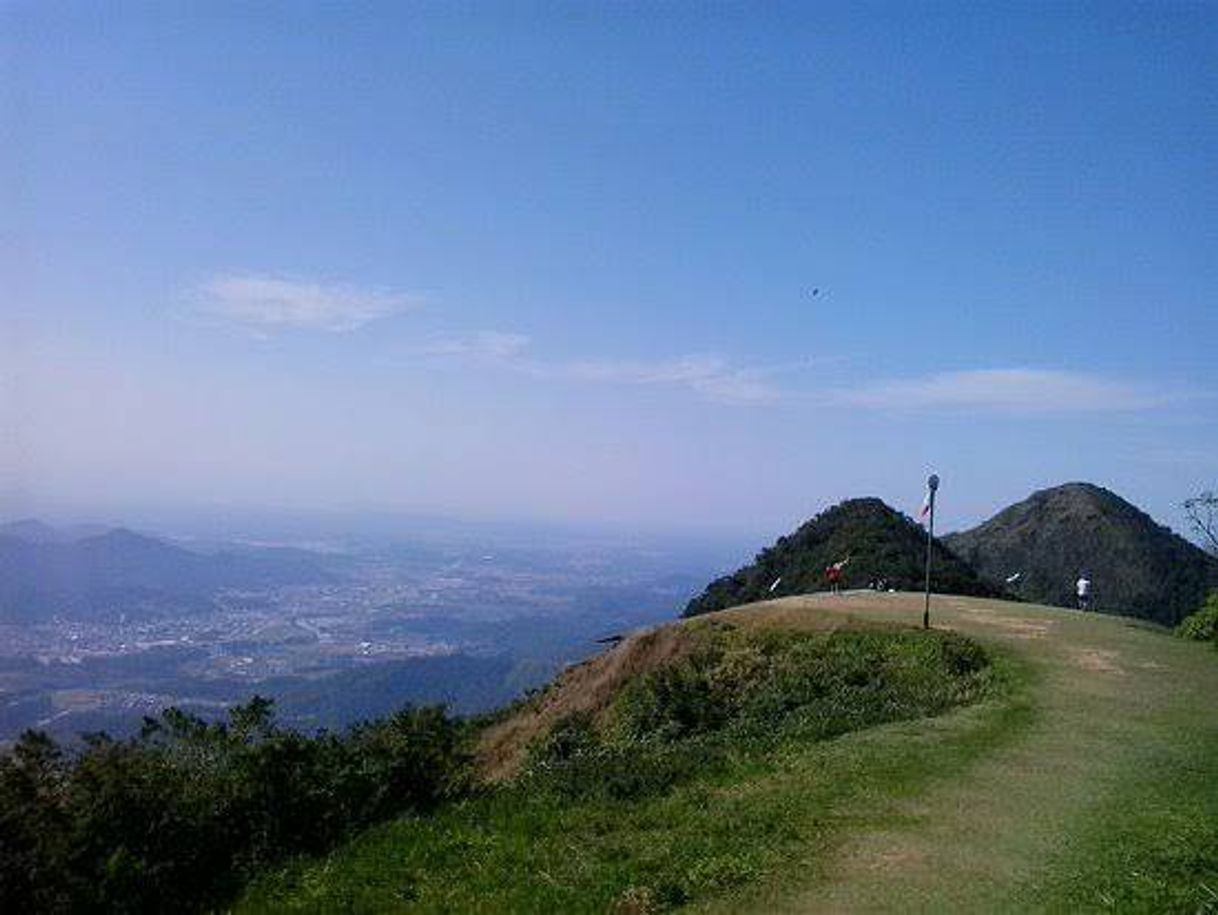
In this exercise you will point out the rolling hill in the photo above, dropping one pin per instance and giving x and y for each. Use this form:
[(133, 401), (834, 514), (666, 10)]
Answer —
[(880, 541), (42, 574), (1137, 567)]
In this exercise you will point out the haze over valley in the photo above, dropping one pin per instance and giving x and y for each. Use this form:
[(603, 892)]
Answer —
[(465, 617), (608, 457)]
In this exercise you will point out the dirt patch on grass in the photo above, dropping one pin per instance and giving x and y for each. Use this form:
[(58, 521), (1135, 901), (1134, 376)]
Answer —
[(1020, 628), (588, 687), (1096, 659), (884, 859), (815, 613)]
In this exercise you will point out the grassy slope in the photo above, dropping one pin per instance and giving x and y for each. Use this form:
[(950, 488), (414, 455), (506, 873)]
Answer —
[(1107, 800), (1089, 784)]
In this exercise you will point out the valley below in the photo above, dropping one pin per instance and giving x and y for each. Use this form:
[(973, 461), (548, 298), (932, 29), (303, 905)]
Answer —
[(469, 625)]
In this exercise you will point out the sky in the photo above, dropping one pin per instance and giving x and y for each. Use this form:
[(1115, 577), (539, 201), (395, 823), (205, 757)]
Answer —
[(683, 266)]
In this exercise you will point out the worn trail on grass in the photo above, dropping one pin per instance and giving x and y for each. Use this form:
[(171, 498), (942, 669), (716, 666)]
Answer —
[(1113, 773)]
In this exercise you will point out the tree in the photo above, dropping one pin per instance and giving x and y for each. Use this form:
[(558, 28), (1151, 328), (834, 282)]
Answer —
[(1202, 513), (178, 817)]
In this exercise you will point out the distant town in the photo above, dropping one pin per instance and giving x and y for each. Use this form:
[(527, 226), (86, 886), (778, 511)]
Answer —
[(469, 625)]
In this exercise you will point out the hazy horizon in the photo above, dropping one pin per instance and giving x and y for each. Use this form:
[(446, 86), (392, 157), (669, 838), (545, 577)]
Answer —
[(317, 527), (688, 269)]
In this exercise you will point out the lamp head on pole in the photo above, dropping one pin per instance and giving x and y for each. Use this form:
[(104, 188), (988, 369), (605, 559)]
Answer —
[(932, 482)]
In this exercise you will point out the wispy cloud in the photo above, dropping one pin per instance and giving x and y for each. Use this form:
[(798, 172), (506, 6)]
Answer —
[(487, 344), (1011, 390), (711, 376), (267, 304)]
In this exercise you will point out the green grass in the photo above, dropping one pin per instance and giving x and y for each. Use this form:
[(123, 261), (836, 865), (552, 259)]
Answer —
[(1106, 801), (755, 798), (1086, 779), (1158, 854)]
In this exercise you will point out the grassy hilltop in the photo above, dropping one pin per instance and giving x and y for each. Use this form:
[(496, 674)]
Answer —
[(818, 753)]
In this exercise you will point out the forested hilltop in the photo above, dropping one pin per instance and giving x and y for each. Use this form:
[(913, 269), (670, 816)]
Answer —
[(879, 542), (1136, 566)]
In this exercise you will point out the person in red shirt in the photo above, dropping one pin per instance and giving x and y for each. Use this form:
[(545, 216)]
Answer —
[(833, 574)]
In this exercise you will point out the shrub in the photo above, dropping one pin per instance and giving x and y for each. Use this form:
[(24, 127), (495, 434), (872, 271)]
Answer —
[(574, 761), (747, 692), (1202, 626), (181, 815)]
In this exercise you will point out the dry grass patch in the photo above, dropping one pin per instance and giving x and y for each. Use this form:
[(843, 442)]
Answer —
[(586, 688), (1097, 659)]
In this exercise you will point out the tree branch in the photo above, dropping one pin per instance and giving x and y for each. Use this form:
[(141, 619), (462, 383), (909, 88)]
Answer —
[(1202, 513)]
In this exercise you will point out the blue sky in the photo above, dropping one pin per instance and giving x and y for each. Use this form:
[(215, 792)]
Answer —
[(557, 261)]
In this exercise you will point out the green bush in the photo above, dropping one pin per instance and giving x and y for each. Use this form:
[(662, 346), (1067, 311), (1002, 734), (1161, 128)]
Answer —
[(180, 816), (748, 692), (1202, 626), (574, 761)]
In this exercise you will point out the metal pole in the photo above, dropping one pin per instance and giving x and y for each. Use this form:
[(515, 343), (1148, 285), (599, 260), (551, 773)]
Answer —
[(932, 484)]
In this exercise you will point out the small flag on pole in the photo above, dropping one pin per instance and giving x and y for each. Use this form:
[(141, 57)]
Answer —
[(925, 509)]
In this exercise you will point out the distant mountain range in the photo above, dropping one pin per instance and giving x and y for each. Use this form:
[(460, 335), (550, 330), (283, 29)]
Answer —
[(1136, 567), (1033, 550), (31, 530), (881, 543), (83, 574)]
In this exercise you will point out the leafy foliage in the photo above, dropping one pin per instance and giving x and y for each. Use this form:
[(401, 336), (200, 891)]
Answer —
[(741, 693), (1202, 626), (180, 816), (881, 543)]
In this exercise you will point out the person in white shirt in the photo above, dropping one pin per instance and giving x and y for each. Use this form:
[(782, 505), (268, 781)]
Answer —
[(1082, 588)]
